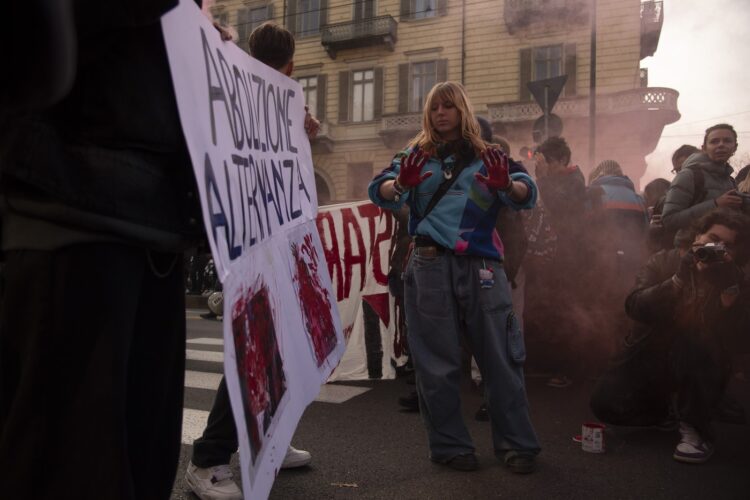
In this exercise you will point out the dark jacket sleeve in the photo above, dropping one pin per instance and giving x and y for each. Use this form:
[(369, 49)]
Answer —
[(654, 297), (732, 323)]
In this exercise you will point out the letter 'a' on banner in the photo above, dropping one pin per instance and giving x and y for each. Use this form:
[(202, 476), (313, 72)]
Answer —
[(244, 127)]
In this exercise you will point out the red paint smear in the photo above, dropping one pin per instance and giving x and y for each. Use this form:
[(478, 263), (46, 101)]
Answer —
[(259, 363), (331, 252), (372, 212), (380, 303), (314, 300), (348, 331)]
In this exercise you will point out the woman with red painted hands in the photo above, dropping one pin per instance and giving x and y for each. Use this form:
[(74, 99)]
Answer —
[(454, 184)]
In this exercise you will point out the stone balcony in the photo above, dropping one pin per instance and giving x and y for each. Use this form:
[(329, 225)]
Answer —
[(396, 129), (522, 16), (323, 142), (381, 30), (649, 99)]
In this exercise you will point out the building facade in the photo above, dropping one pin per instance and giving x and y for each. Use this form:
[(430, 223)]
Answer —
[(366, 66)]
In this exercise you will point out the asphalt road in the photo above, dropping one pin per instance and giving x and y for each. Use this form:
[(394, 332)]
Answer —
[(366, 448)]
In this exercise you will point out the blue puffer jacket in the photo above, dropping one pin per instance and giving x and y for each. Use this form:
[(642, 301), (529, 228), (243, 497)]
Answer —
[(464, 219)]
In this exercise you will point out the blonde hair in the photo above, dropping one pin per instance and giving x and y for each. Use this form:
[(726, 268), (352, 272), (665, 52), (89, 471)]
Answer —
[(744, 186), (428, 138)]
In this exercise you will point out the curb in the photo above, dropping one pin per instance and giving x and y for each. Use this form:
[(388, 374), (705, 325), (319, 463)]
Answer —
[(196, 302)]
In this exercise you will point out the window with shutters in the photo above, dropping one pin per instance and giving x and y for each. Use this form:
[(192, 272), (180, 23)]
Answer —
[(308, 17), (364, 9), (310, 91), (423, 78), (422, 9), (248, 20), (222, 18), (548, 62), (360, 95), (363, 96)]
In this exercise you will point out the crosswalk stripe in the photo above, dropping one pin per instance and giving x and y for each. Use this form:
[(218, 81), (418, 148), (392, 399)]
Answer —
[(193, 424), (202, 380), (198, 355), (206, 341), (339, 393)]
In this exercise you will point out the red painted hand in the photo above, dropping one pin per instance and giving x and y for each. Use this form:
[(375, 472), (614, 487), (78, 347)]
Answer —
[(498, 176), (410, 175)]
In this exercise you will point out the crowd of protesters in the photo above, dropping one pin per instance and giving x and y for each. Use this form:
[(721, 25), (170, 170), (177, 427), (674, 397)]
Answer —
[(646, 293), (113, 371)]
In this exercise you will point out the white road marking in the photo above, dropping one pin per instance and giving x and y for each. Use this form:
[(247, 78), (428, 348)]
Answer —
[(202, 380), (193, 424), (196, 355), (339, 393), (206, 341)]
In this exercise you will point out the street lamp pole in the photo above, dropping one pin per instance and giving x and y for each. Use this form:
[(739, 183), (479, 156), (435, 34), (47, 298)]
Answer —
[(592, 89)]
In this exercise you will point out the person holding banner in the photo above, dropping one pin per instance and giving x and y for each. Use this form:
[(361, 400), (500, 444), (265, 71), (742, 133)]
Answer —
[(98, 202), (454, 184), (208, 474)]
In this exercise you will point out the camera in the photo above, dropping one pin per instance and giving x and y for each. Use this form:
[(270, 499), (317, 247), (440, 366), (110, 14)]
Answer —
[(710, 252)]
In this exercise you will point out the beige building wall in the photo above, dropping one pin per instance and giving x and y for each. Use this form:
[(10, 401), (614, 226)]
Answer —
[(491, 68)]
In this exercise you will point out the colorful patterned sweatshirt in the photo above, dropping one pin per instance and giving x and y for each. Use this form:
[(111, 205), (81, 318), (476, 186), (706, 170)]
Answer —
[(464, 219)]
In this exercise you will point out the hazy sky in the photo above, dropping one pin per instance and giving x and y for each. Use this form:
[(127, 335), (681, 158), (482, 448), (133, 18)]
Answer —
[(704, 53)]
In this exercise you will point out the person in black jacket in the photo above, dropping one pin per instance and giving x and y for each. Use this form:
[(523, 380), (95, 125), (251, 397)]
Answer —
[(98, 203), (691, 310), (562, 189)]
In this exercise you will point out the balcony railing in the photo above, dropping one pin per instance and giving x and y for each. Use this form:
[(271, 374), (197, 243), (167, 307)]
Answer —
[(644, 99), (652, 18), (381, 30), (521, 15), (396, 129)]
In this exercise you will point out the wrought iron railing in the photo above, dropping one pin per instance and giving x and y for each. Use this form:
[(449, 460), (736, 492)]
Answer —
[(523, 14), (353, 30)]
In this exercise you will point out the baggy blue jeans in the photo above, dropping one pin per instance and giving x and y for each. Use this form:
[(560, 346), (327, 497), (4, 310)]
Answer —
[(443, 298)]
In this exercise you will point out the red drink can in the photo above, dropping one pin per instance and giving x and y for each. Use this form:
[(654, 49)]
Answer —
[(592, 437)]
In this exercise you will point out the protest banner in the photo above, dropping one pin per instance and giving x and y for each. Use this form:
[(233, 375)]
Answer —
[(244, 127), (358, 239)]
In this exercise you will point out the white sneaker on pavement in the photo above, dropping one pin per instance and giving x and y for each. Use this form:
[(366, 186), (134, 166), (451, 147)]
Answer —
[(212, 483), (296, 458), (692, 448)]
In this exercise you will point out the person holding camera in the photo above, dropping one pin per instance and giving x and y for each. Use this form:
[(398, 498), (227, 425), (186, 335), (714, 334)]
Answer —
[(691, 310)]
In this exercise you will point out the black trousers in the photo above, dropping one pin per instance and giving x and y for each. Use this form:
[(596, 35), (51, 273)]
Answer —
[(639, 387), (92, 341), (219, 439)]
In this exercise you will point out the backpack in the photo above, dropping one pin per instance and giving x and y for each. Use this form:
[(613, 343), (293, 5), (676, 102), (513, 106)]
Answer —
[(661, 238)]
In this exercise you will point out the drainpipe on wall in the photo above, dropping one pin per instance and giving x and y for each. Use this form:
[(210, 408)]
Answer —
[(463, 40), (592, 89)]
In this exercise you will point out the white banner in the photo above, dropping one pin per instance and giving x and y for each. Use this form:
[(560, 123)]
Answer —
[(244, 127), (358, 241)]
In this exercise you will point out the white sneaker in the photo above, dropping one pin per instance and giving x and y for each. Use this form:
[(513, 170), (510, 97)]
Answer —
[(692, 448), (296, 458), (212, 483)]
